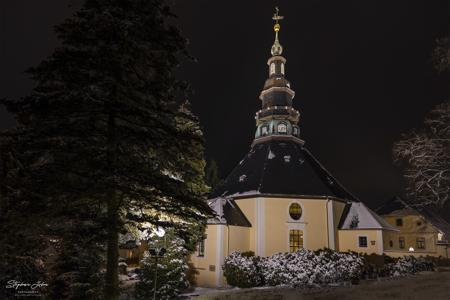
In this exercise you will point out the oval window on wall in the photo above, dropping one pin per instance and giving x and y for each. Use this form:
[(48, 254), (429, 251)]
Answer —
[(295, 211)]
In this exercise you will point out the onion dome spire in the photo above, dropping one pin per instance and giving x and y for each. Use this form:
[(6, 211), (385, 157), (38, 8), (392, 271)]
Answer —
[(277, 119), (277, 49)]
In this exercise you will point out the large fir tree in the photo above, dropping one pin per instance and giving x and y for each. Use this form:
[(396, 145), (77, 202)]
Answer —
[(104, 137)]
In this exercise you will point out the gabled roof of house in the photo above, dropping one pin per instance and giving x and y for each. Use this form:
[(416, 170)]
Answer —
[(400, 207), (281, 167), (358, 216)]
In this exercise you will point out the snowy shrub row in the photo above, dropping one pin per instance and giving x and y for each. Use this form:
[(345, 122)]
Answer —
[(385, 266), (300, 268), (407, 265)]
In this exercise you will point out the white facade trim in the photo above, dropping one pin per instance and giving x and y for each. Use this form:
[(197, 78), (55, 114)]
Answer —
[(379, 242), (219, 254), (330, 218), (260, 231)]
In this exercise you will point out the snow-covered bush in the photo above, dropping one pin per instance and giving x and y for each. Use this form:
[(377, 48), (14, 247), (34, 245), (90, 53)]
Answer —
[(300, 268), (242, 270), (407, 265), (306, 267), (171, 277)]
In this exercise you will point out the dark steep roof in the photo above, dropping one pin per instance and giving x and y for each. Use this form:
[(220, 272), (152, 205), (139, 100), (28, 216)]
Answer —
[(234, 215), (281, 167)]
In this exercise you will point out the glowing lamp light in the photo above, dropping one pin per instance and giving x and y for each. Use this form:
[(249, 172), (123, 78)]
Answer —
[(160, 232), (411, 249)]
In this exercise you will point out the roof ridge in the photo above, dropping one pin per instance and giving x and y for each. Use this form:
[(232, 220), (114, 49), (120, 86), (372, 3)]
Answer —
[(261, 179)]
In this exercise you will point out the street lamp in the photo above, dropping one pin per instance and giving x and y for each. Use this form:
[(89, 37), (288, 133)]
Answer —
[(157, 253)]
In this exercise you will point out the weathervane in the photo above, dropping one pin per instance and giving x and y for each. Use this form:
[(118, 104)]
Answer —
[(277, 49), (277, 17)]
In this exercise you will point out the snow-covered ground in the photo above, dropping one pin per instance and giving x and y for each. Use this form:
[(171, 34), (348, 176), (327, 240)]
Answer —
[(424, 285)]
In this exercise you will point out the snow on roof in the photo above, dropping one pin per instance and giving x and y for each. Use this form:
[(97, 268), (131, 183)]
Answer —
[(227, 212), (281, 168), (360, 216)]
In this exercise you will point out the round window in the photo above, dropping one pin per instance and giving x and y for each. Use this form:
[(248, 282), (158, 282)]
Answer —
[(295, 211)]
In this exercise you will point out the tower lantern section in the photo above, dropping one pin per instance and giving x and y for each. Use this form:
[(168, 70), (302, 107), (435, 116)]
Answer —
[(277, 116)]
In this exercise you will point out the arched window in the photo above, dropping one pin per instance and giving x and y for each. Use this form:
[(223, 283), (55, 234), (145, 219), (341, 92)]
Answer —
[(295, 211), (282, 128), (295, 131), (272, 68), (282, 68), (264, 130), (295, 240)]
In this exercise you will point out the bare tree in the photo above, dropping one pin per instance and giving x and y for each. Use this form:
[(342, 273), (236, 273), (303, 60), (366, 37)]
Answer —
[(425, 156), (441, 54)]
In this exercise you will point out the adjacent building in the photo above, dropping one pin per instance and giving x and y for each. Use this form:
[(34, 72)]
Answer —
[(421, 230)]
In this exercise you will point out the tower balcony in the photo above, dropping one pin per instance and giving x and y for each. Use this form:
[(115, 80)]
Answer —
[(278, 112)]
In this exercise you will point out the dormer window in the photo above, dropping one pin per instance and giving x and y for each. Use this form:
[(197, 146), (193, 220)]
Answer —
[(282, 68), (282, 128), (272, 68)]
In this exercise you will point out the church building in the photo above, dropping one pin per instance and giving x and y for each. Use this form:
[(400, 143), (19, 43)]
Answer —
[(280, 198)]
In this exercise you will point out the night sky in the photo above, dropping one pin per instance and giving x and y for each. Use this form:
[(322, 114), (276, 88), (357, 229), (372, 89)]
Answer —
[(361, 71)]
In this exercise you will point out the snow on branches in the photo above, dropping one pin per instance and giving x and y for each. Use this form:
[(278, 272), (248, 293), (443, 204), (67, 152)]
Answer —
[(425, 156)]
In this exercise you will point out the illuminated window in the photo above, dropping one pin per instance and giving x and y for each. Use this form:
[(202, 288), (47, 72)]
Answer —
[(401, 242), (440, 236), (282, 128), (420, 242), (295, 131), (295, 240), (399, 222), (282, 68), (362, 241), (201, 248), (272, 68), (295, 211)]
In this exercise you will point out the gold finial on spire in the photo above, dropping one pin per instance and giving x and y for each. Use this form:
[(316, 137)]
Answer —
[(277, 49)]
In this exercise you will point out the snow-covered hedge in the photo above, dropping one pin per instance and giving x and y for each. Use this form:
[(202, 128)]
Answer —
[(300, 268), (307, 267), (407, 265), (242, 270)]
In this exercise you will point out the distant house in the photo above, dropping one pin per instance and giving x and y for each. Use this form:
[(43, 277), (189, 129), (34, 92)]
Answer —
[(421, 230)]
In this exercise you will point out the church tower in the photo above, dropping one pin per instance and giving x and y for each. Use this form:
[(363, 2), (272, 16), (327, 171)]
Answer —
[(277, 118)]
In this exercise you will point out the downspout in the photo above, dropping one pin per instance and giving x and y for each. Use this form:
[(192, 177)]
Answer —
[(228, 239), (328, 226)]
